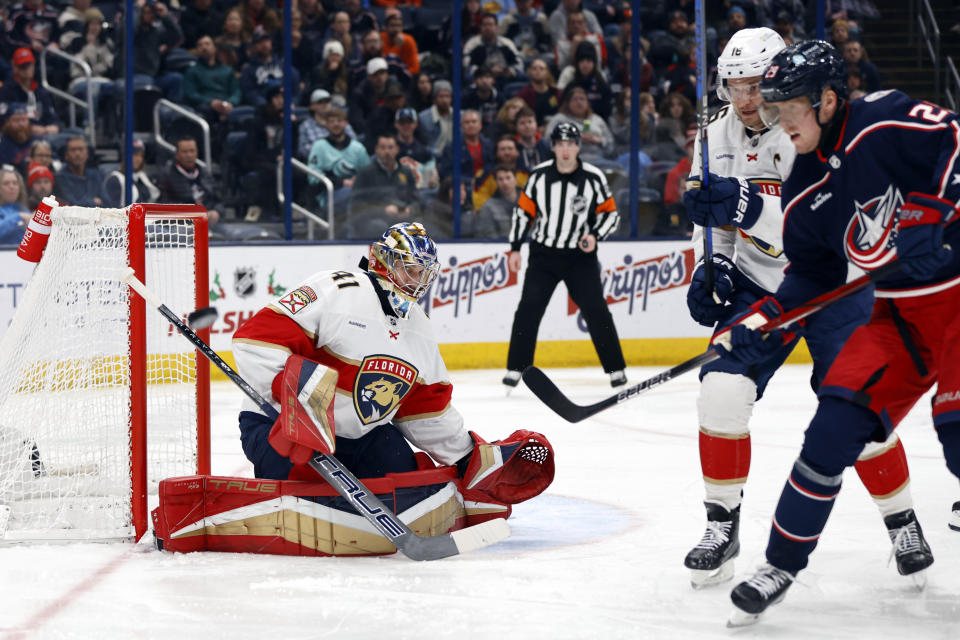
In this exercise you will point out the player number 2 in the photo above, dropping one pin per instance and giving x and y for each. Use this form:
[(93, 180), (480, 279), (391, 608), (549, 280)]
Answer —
[(929, 112)]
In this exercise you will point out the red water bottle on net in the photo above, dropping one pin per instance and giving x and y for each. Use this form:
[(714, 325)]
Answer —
[(38, 231)]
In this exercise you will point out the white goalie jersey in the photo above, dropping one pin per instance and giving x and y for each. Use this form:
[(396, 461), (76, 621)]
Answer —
[(763, 159), (390, 369)]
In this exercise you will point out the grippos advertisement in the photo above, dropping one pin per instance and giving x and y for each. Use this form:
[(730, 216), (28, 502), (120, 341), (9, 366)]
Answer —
[(472, 301)]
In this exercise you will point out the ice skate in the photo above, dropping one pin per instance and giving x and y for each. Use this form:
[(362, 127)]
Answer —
[(711, 561), (954, 522), (910, 549), (618, 378), (752, 597), (511, 380)]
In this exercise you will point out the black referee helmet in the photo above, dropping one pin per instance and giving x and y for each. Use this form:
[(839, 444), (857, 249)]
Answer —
[(565, 131)]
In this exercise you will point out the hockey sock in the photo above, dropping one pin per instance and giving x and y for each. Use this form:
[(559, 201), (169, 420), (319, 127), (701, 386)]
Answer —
[(725, 460), (802, 512), (884, 472)]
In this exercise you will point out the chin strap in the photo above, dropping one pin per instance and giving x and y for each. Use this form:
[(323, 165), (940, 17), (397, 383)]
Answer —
[(830, 132)]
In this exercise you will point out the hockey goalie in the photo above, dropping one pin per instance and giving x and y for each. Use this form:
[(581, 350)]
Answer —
[(354, 351)]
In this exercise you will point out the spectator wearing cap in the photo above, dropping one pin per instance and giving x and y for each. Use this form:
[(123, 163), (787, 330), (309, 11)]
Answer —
[(493, 51), (476, 150), (528, 28), (33, 24), (370, 93), (331, 74), (541, 94), (558, 19), (533, 148), (315, 127), (339, 31), (25, 90), (77, 183), (436, 123), (736, 20), (584, 72), (506, 153), (14, 214), (263, 71), (144, 187), (384, 192), (183, 181), (484, 98), (258, 17), (154, 34), (210, 86), (200, 18), (856, 57), (577, 33), (412, 152), (17, 135), (264, 147), (39, 185), (371, 46), (400, 44)]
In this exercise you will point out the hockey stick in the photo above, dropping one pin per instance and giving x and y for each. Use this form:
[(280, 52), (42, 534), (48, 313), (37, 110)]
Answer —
[(548, 392), (703, 114), (340, 478)]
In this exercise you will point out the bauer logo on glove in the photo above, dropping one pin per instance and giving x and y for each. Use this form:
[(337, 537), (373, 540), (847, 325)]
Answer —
[(725, 201)]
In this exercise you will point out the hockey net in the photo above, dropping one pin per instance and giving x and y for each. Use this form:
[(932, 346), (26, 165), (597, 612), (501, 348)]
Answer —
[(100, 398)]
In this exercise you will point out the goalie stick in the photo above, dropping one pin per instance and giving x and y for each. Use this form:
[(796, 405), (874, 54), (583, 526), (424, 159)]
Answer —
[(548, 392), (338, 476)]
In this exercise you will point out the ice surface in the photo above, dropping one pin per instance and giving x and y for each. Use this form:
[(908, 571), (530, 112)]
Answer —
[(598, 556)]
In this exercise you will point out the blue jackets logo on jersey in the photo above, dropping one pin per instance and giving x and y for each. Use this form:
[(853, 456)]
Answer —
[(868, 239), (380, 386)]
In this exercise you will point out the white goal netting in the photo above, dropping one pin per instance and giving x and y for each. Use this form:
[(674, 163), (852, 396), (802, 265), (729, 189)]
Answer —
[(67, 398)]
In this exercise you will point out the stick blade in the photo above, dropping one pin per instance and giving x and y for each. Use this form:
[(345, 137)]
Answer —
[(544, 388), (481, 535)]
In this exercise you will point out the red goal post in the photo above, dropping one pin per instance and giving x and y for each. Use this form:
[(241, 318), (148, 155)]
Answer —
[(100, 399)]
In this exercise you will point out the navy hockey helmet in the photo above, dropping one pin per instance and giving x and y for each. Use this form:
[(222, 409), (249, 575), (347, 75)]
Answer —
[(406, 257), (804, 69), (565, 131)]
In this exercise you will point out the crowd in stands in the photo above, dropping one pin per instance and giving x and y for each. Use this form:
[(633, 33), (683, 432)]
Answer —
[(372, 101)]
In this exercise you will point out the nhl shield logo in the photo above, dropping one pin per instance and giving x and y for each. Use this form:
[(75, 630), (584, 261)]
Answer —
[(578, 205), (381, 384), (245, 281)]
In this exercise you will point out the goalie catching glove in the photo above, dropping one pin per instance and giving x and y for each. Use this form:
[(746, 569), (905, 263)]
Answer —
[(508, 471), (741, 340), (307, 390)]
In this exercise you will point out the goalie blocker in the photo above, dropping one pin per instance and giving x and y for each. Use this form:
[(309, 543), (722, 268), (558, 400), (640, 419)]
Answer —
[(293, 517)]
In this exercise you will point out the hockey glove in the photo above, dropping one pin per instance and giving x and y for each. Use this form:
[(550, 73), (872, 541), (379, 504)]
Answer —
[(725, 201), (307, 390), (740, 341), (509, 471), (707, 305), (919, 238)]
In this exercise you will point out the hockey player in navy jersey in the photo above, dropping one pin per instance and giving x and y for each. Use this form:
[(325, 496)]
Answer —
[(874, 180), (748, 266)]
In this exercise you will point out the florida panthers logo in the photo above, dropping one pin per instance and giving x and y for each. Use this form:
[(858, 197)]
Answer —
[(380, 386), (868, 240)]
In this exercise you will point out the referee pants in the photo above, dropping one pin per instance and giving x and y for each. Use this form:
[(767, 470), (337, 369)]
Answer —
[(581, 273)]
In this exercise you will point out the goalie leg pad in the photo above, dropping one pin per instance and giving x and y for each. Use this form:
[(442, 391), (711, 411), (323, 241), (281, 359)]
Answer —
[(283, 517), (511, 470)]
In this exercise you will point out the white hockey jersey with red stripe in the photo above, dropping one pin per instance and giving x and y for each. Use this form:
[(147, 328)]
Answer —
[(390, 368)]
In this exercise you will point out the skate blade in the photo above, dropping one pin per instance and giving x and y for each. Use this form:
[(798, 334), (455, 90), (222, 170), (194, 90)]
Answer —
[(919, 579), (702, 579), (740, 618)]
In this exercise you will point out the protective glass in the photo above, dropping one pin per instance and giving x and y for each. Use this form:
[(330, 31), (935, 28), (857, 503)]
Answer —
[(736, 93)]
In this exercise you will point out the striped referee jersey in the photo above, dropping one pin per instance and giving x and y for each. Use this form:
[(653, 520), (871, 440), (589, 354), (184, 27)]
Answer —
[(562, 208)]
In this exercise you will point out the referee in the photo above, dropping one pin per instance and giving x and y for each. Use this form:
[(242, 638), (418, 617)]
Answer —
[(568, 204)]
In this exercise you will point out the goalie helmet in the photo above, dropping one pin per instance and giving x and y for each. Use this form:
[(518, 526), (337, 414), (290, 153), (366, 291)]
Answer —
[(405, 258), (747, 55)]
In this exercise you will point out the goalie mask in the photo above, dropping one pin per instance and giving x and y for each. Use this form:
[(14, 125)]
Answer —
[(405, 259)]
